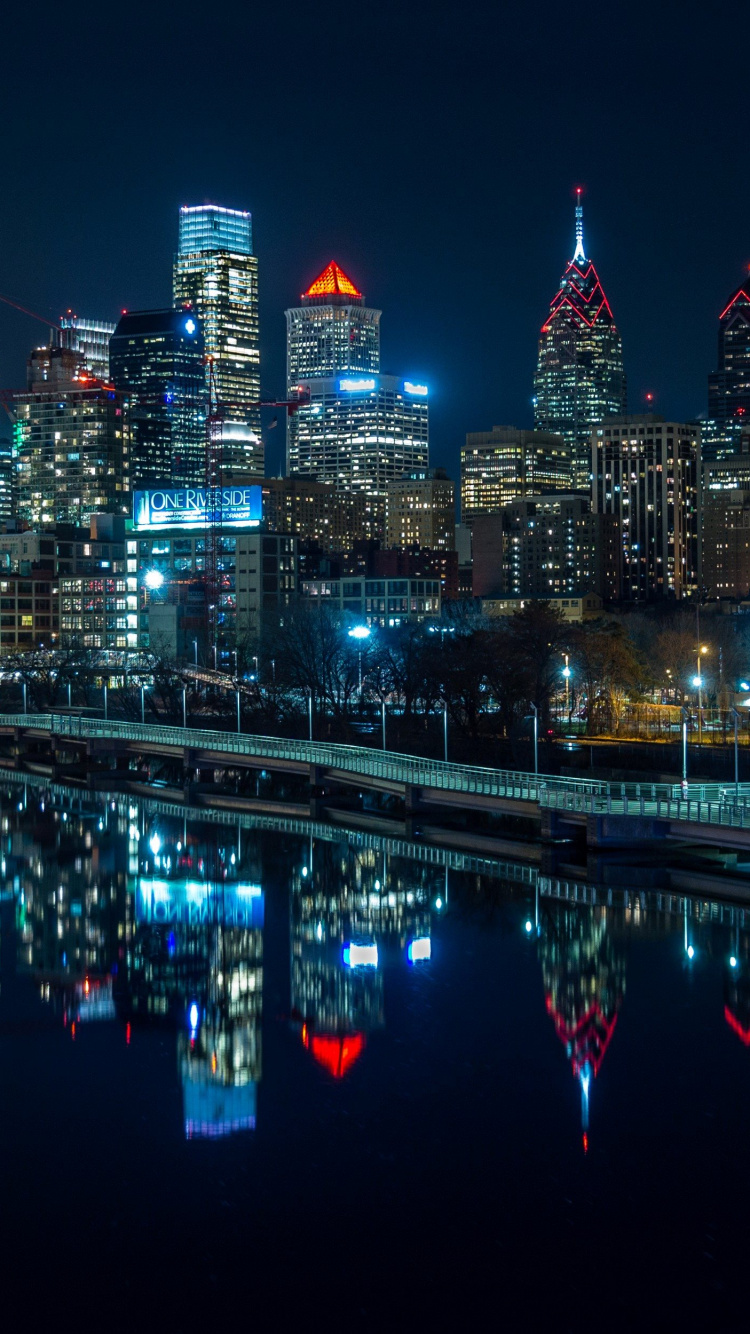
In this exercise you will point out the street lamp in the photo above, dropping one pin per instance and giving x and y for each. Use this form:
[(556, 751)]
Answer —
[(154, 580), (360, 633), (195, 651), (698, 682), (567, 674)]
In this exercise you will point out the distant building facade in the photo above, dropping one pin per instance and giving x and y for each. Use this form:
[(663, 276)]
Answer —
[(387, 602), (216, 276), (500, 465), (157, 360), (332, 332), (333, 518), (72, 442), (647, 472), (547, 546), (580, 378), (421, 511), (726, 543)]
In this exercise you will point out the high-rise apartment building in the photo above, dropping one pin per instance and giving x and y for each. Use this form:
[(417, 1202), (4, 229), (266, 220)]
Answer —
[(547, 546), (579, 378), (332, 332), (91, 339), (421, 511), (216, 276), (500, 465), (158, 362), (647, 472), (72, 442), (729, 384)]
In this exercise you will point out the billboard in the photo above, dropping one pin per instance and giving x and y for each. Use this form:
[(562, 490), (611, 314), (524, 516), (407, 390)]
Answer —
[(195, 506)]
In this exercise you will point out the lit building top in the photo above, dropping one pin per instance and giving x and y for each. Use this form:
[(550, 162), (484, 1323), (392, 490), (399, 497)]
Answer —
[(332, 282), (209, 227)]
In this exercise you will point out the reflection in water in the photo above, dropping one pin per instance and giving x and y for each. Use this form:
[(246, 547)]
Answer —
[(350, 916), (131, 915), (583, 967)]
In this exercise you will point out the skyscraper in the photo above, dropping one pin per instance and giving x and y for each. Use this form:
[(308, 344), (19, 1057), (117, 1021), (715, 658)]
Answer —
[(216, 275), (332, 332), (579, 376), (91, 339), (647, 472), (157, 360), (358, 429), (72, 445), (729, 385)]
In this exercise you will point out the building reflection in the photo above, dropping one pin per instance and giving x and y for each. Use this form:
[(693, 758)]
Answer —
[(352, 913), (197, 964), (583, 969), (66, 867)]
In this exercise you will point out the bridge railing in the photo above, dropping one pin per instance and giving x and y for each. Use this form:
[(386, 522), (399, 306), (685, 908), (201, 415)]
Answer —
[(389, 766), (656, 804)]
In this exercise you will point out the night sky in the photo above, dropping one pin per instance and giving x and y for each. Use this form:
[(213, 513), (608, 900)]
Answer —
[(431, 151)]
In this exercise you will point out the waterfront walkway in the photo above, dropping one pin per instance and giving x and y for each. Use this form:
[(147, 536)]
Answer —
[(610, 812)]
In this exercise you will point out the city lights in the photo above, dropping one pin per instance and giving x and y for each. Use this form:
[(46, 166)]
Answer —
[(419, 950), (360, 956)]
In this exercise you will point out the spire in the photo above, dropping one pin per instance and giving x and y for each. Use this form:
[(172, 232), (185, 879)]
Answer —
[(579, 251)]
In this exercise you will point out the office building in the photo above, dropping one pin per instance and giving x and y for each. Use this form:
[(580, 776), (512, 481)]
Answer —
[(382, 601), (573, 609), (547, 546), (28, 612), (319, 513), (647, 472), (256, 576), (157, 360), (332, 332), (216, 277), (360, 433), (579, 377), (91, 339), (8, 491), (505, 463), (72, 444), (421, 511), (729, 384), (356, 428)]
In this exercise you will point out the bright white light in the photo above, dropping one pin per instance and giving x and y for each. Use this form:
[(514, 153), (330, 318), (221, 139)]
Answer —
[(690, 952), (733, 962), (420, 390), (153, 579), (697, 681), (304, 871), (585, 1080), (361, 956), (349, 386), (419, 949), (190, 326), (377, 885), (744, 685), (155, 843), (438, 904), (193, 1015), (360, 632), (319, 931), (567, 671), (529, 927)]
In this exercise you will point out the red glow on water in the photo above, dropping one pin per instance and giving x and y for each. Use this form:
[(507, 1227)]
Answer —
[(585, 1142), (742, 1033), (336, 1052), (127, 1034), (73, 1031)]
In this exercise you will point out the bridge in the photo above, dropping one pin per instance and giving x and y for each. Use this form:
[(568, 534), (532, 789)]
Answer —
[(610, 814)]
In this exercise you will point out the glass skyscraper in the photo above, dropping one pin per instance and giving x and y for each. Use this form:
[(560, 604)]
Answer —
[(729, 385), (157, 360), (579, 378), (216, 276)]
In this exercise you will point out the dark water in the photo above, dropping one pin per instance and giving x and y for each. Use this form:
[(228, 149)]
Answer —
[(208, 1116)]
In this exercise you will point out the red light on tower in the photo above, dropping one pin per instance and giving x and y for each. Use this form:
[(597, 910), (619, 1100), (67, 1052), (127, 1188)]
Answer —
[(649, 397)]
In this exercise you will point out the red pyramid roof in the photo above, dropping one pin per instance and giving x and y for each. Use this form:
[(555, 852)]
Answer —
[(332, 282)]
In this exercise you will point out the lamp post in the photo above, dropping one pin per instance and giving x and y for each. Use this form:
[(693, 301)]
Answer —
[(255, 660), (684, 713), (566, 674), (184, 708), (239, 729), (445, 732), (360, 633), (143, 705), (25, 700), (195, 651), (105, 701), (535, 713), (698, 681), (736, 718), (309, 710)]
